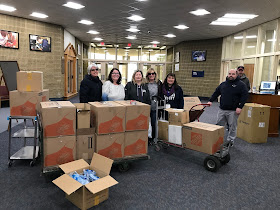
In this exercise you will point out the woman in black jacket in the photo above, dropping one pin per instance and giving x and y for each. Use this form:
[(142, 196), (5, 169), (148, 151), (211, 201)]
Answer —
[(137, 89), (91, 86)]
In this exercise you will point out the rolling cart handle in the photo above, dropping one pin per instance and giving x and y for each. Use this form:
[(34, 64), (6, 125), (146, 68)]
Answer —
[(204, 106)]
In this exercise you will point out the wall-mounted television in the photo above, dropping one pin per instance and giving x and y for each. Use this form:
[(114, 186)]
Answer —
[(199, 55), (9, 39), (40, 43)]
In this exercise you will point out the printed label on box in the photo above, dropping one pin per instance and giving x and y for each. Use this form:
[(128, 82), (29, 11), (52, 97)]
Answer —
[(261, 124), (249, 113)]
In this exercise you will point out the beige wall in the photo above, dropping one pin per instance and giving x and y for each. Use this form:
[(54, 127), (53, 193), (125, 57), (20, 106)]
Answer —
[(50, 63), (199, 86)]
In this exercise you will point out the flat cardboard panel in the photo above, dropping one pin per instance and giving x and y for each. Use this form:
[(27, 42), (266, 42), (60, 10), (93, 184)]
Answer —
[(107, 117), (110, 145), (177, 116), (30, 81), (67, 184), (101, 184), (10, 69), (189, 102), (85, 146), (83, 115), (102, 163), (136, 143), (163, 130), (253, 122), (74, 166), (175, 134), (26, 103)]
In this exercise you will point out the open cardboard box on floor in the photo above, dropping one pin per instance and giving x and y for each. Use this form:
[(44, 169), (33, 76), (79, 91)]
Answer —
[(93, 193)]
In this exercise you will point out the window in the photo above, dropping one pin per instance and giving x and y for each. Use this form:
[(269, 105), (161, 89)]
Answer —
[(251, 41)]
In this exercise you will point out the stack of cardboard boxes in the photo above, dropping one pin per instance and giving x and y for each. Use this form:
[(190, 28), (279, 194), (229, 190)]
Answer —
[(25, 101)]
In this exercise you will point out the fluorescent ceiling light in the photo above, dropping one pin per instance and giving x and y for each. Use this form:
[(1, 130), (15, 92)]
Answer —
[(86, 22), (93, 32), (247, 16), (131, 37), (38, 15), (155, 42), (247, 37), (223, 19), (170, 35), (133, 29), (73, 5), (238, 37), (224, 23), (7, 8), (271, 40), (251, 46), (182, 27), (200, 12), (98, 39), (136, 18)]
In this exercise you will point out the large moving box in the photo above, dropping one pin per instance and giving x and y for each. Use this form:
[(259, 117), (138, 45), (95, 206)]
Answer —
[(110, 145), (58, 118), (85, 143), (175, 134), (203, 137), (107, 117), (253, 123), (136, 143), (163, 130), (189, 102), (93, 193), (30, 81), (137, 116), (177, 116), (26, 103), (83, 115), (59, 150)]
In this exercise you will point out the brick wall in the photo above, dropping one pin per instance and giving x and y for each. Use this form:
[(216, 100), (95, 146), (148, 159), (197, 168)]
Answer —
[(48, 62), (199, 86)]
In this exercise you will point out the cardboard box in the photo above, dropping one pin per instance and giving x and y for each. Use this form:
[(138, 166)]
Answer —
[(58, 118), (93, 193), (107, 117), (136, 143), (163, 130), (59, 150), (30, 81), (83, 115), (137, 116), (177, 116), (86, 143), (203, 137), (26, 103), (253, 122), (110, 145), (189, 102), (175, 134)]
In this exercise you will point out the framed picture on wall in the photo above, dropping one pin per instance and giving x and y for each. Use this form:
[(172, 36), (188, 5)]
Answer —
[(199, 55), (9, 39), (39, 43)]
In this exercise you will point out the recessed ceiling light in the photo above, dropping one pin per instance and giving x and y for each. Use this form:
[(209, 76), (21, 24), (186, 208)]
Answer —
[(7, 8), (133, 29), (86, 22), (155, 42), (93, 32), (230, 19), (200, 12), (223, 19), (170, 35), (73, 5), (98, 39), (131, 37), (224, 23), (182, 27), (39, 15), (136, 18), (247, 16)]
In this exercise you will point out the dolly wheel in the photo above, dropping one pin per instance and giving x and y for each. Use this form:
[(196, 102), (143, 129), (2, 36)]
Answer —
[(10, 163), (32, 163), (211, 163), (225, 159), (157, 147), (123, 167)]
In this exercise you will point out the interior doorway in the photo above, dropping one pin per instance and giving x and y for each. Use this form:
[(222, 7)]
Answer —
[(249, 71)]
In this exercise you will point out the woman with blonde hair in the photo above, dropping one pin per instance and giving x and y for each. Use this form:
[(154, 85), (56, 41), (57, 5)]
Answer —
[(154, 86), (137, 89)]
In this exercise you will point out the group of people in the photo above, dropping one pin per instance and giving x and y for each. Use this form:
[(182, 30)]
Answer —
[(233, 92), (141, 89)]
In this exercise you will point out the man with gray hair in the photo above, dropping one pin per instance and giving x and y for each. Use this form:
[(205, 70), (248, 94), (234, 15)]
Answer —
[(234, 95), (91, 86)]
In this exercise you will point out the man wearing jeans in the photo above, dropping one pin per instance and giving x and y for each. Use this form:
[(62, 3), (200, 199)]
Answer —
[(234, 94)]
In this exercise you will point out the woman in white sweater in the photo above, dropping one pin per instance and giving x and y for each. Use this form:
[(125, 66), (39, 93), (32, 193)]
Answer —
[(112, 89)]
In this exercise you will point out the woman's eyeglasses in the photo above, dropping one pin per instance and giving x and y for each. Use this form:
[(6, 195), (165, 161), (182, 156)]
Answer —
[(94, 69), (152, 73)]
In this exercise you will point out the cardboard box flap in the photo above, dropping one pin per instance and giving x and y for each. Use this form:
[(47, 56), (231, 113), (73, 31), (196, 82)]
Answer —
[(256, 105), (67, 184), (189, 102), (127, 103), (65, 104), (102, 163), (101, 184), (174, 110), (49, 104), (105, 104), (82, 107), (73, 166)]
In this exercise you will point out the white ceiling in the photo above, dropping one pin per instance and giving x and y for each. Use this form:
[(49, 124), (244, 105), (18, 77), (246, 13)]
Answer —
[(110, 17)]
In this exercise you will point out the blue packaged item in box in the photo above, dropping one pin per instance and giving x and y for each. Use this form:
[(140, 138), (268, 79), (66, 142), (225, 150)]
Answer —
[(85, 178)]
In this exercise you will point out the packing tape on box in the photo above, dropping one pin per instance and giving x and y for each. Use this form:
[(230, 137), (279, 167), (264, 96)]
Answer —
[(29, 75), (28, 88), (96, 200)]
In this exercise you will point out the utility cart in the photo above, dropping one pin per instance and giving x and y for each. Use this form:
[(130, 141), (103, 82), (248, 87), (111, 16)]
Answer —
[(211, 162), (26, 152), (124, 164)]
